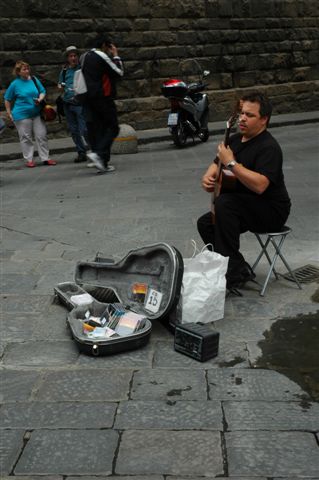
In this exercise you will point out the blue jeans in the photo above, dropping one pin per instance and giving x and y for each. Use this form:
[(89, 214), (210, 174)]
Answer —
[(77, 125)]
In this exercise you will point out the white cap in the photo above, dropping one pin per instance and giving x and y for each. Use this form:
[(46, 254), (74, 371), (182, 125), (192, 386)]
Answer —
[(70, 49)]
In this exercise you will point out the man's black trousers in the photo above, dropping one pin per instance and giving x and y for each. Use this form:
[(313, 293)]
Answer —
[(102, 125), (235, 214)]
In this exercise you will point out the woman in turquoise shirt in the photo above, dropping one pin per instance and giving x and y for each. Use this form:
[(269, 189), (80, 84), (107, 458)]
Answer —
[(22, 100)]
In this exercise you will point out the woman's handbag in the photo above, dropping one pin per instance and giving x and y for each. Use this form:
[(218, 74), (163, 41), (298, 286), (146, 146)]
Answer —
[(47, 112)]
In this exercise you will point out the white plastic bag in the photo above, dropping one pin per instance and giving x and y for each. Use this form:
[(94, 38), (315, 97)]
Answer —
[(204, 287), (79, 83)]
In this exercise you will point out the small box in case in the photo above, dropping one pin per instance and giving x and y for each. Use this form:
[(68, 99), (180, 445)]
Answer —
[(196, 340)]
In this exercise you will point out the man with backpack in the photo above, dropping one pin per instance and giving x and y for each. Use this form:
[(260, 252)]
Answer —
[(73, 110), (101, 67)]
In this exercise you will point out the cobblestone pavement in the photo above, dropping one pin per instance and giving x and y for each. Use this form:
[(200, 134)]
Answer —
[(150, 414)]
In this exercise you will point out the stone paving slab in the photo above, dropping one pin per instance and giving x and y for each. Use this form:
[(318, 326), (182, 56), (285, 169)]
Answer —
[(160, 384), (18, 283), (17, 326), (25, 303), (236, 329), (257, 307), (169, 453), (38, 415), (229, 353), (17, 385), (272, 416), (85, 385), (53, 326), (38, 353), (272, 454), (69, 236), (302, 308), (10, 446), (25, 266), (247, 384), (136, 415), (67, 452)]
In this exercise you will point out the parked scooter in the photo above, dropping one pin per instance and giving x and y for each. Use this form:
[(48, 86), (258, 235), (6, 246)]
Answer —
[(189, 109)]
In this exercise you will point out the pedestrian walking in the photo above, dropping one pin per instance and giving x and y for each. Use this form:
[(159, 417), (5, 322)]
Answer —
[(22, 102), (101, 67), (72, 108)]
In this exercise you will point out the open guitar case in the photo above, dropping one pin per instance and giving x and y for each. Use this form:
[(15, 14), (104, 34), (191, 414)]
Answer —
[(147, 281)]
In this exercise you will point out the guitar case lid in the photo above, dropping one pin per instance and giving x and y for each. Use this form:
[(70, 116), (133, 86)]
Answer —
[(148, 279)]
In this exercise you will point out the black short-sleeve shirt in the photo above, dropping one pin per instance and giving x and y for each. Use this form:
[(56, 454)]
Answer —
[(262, 154)]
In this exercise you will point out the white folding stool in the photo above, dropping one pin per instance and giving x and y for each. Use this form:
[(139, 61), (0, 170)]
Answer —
[(276, 239)]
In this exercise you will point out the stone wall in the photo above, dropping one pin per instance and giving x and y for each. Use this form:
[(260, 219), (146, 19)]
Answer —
[(272, 44)]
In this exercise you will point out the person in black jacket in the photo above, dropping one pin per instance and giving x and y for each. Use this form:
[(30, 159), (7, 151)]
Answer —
[(260, 201), (101, 67)]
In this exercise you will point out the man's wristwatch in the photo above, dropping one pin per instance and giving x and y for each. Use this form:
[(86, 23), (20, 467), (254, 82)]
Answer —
[(231, 164)]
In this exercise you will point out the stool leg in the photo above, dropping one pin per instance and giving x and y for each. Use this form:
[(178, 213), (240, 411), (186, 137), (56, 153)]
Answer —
[(278, 250), (272, 265), (264, 252)]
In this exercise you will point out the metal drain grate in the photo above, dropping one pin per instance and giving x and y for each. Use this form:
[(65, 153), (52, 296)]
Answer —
[(306, 274)]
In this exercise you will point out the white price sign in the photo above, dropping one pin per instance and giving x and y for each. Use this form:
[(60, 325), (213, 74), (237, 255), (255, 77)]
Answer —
[(153, 300)]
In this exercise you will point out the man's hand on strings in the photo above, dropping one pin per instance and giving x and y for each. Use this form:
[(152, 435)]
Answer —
[(209, 178)]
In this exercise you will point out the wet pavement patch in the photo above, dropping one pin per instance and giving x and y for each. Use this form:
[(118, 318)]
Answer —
[(291, 347)]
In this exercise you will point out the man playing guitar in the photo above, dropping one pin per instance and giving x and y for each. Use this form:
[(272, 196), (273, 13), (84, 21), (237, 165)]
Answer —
[(259, 201)]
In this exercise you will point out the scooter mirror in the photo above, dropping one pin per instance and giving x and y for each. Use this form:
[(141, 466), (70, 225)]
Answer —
[(206, 73)]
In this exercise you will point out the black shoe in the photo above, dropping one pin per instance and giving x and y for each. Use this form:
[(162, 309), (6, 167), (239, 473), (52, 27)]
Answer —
[(236, 278), (80, 158), (247, 274)]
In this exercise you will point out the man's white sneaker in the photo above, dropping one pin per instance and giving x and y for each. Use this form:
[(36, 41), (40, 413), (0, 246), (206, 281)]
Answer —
[(108, 169), (94, 157)]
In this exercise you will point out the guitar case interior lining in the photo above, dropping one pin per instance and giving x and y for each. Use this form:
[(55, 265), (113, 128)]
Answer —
[(159, 267)]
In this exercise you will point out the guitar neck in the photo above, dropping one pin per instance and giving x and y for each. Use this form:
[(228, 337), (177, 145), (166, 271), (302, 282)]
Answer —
[(227, 135), (220, 177), (226, 142)]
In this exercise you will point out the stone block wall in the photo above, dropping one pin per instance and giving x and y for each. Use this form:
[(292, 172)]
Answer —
[(270, 44)]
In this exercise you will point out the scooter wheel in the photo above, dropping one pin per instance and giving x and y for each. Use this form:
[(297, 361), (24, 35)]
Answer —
[(203, 135), (179, 135)]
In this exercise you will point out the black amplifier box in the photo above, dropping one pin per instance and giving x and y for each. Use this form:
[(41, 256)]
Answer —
[(196, 340)]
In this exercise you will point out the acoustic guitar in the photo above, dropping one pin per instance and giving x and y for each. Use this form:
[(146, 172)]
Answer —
[(225, 179)]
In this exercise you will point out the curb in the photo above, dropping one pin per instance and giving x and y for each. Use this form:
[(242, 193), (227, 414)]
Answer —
[(11, 151)]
